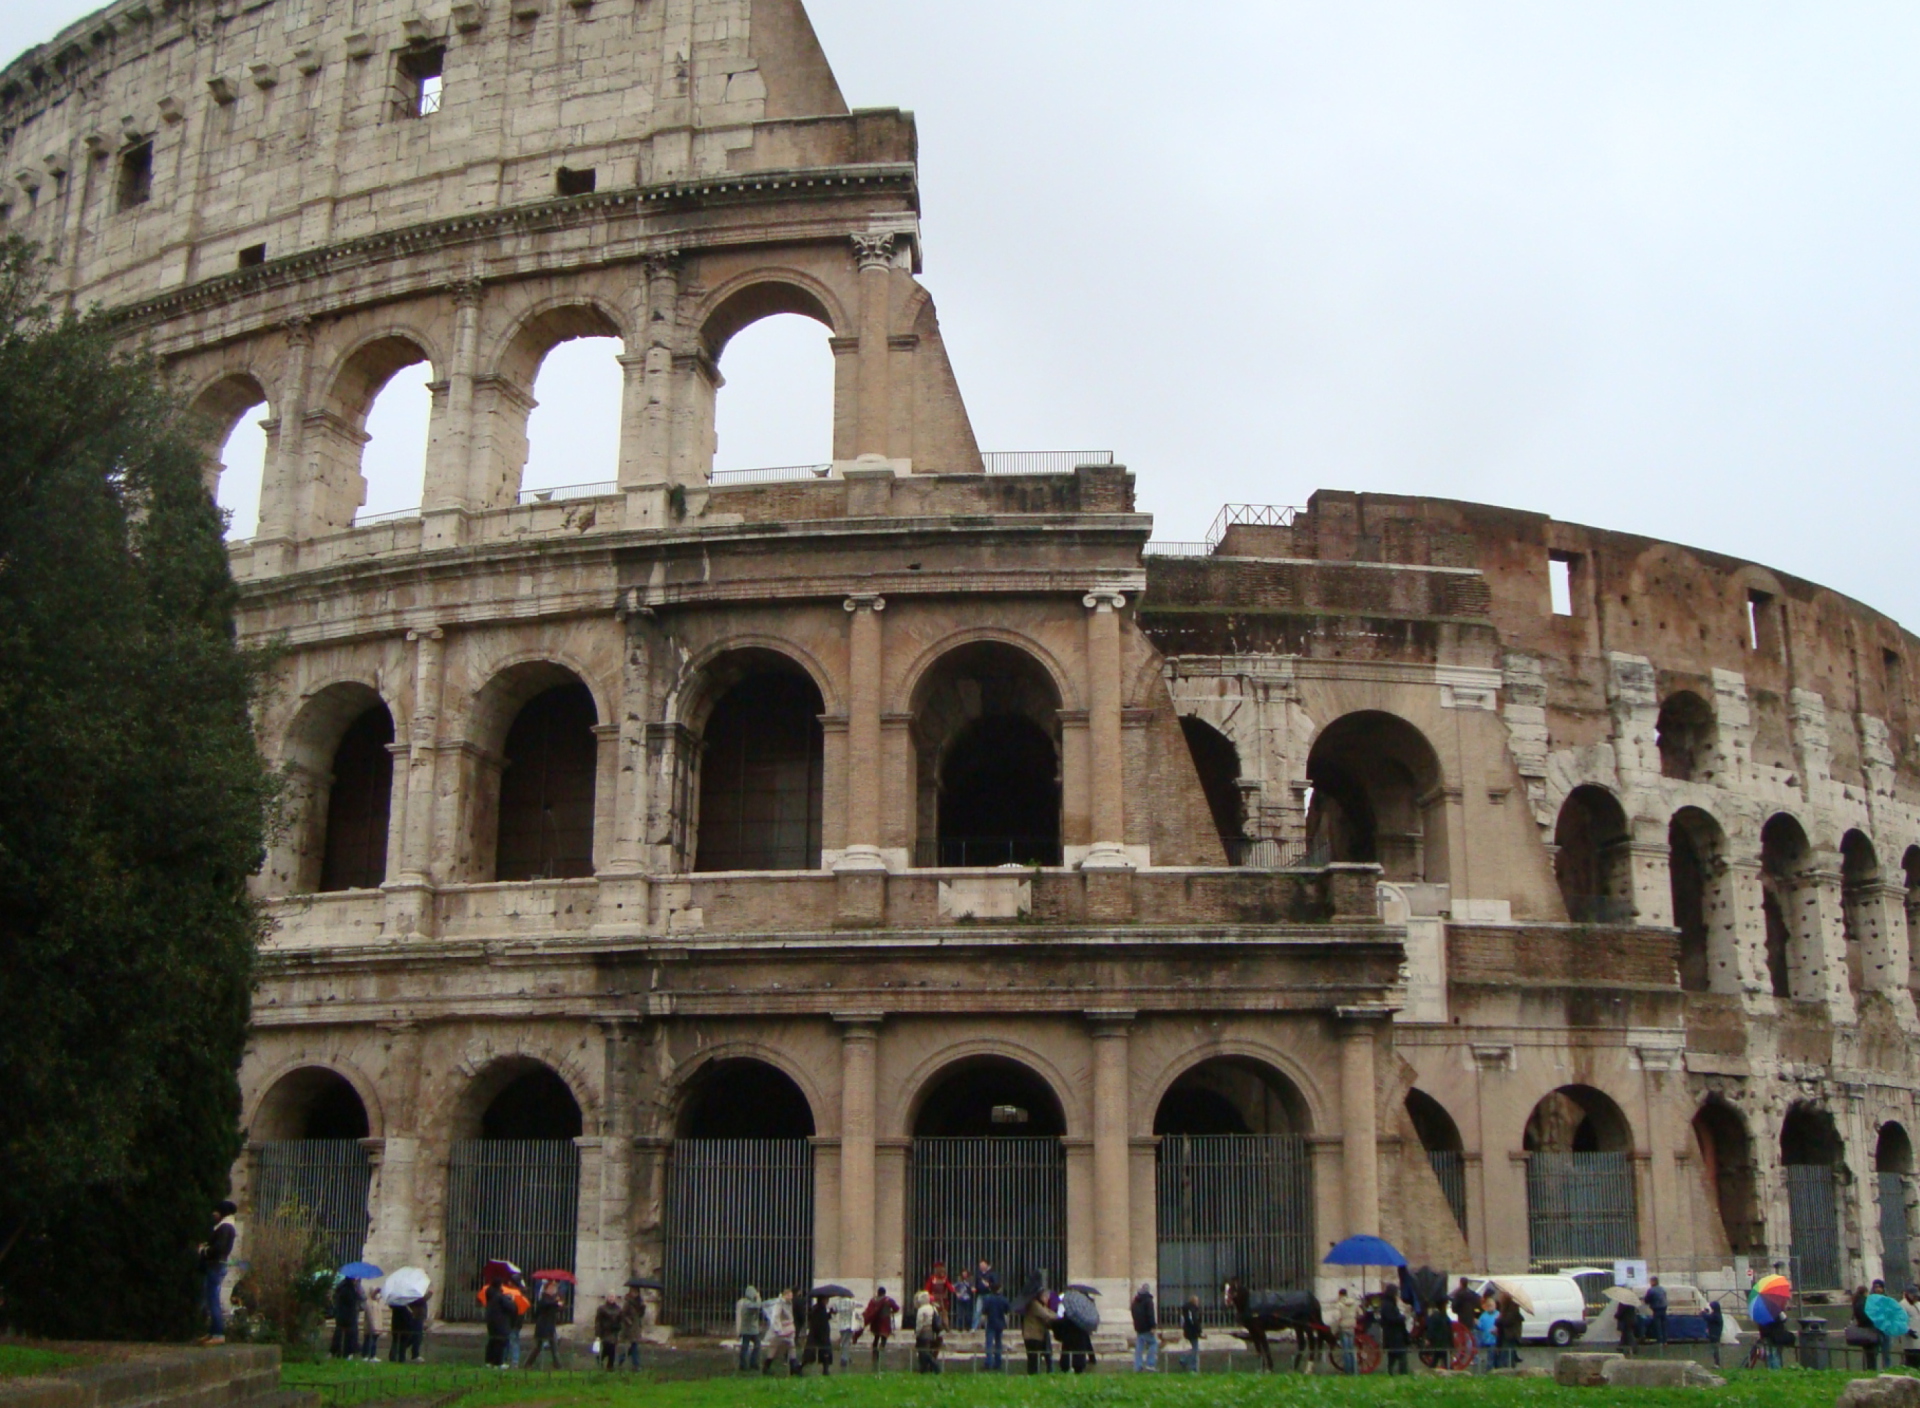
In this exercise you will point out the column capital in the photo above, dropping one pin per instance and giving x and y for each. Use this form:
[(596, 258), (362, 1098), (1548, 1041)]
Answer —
[(1111, 1021), (662, 264), (1104, 599), (875, 251), (419, 633), (871, 601), (467, 293), (856, 1026), (298, 330), (1360, 1021)]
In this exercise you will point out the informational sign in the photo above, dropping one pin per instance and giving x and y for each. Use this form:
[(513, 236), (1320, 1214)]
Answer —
[(1630, 1273)]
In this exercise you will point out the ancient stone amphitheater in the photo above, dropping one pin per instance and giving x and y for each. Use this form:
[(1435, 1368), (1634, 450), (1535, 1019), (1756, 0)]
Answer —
[(827, 872)]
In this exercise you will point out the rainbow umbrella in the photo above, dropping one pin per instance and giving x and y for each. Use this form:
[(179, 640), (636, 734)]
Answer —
[(1762, 1311), (1775, 1288)]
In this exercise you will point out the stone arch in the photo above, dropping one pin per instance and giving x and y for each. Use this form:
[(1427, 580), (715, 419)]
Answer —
[(336, 442), (1893, 1178), (1217, 760), (1313, 1109), (1378, 795), (518, 351), (1686, 735), (504, 404), (760, 766), (1593, 857), (1796, 961), (1729, 1177), (1704, 902), (1582, 1194), (742, 1097), (309, 1099), (514, 1091), (1813, 1160), (310, 749), (1860, 906), (988, 754), (1578, 1119), (1231, 1095), (765, 293), (542, 715), (913, 680), (699, 687), (821, 1108), (966, 1097), (915, 1085), (220, 402), (1440, 1140)]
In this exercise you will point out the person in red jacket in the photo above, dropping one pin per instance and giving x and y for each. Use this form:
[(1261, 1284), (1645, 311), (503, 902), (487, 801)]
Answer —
[(941, 1289), (879, 1317)]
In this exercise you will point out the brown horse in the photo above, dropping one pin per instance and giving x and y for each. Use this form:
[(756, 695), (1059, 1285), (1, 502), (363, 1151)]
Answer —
[(1262, 1312)]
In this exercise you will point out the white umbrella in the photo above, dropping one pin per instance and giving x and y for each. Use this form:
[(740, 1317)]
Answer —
[(406, 1285)]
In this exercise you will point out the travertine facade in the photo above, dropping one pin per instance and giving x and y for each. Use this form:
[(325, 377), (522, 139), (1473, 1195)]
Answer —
[(912, 801)]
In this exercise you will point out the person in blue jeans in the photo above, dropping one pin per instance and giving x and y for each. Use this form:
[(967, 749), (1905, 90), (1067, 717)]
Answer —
[(990, 1310), (1146, 1331), (214, 1253), (1656, 1299), (1191, 1330)]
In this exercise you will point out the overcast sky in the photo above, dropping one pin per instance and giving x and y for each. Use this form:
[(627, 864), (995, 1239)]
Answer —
[(1650, 266)]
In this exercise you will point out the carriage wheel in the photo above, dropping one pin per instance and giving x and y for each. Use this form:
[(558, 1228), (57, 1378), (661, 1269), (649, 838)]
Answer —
[(1366, 1353), (1462, 1359)]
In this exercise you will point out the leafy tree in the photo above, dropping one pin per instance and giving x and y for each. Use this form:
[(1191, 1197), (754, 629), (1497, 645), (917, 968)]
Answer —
[(133, 807)]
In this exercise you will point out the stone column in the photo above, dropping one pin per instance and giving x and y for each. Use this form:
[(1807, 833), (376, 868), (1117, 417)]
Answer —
[(624, 891), (859, 1040), (865, 663), (410, 898), (280, 489), (1650, 874), (448, 490), (874, 254), (1106, 755), (1360, 1137), (1112, 1192), (647, 406)]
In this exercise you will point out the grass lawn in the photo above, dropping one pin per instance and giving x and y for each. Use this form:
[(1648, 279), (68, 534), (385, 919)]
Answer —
[(350, 1384), (17, 1359)]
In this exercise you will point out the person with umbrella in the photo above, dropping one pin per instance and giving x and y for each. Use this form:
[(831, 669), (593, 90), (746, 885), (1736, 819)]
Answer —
[(819, 1348), (1079, 1317), (878, 1317), (749, 1323), (606, 1331), (1767, 1308), (633, 1320), (1626, 1317), (1889, 1320), (348, 1304), (407, 1310), (546, 1325), (1036, 1324), (1393, 1328)]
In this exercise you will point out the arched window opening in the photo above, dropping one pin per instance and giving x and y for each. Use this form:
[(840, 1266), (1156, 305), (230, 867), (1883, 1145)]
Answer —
[(989, 1098), (774, 406), (740, 1192), (1440, 1137), (1729, 1179), (309, 1155), (399, 419), (760, 772), (237, 445), (1785, 858), (1582, 1207), (359, 805), (573, 431), (1859, 899), (986, 732), (546, 791), (1233, 1182), (1685, 732), (1893, 1172), (1811, 1156), (1377, 798), (1218, 762), (513, 1181), (1591, 858), (1695, 874)]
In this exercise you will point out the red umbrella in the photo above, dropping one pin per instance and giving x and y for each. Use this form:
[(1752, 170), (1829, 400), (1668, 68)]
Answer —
[(566, 1277), (498, 1271)]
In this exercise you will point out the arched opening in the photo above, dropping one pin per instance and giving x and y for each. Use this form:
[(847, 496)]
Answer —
[(573, 430), (1811, 1157), (988, 1173), (237, 469), (761, 768), (1729, 1180), (308, 1154), (1893, 1172), (513, 1181), (1591, 857), (386, 398), (1440, 1137), (1859, 905), (1233, 1179), (1702, 908), (986, 733), (1785, 858), (1377, 797), (1582, 1207), (547, 788), (740, 1192), (774, 404), (1685, 734), (359, 805), (1218, 762)]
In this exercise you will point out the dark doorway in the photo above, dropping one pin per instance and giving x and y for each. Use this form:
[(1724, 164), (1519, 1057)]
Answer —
[(1376, 781), (1893, 1171), (1582, 1206), (1810, 1152), (1440, 1137), (1218, 763), (310, 1155), (359, 804), (1727, 1170), (1785, 858), (534, 1105), (1591, 858), (999, 797), (546, 792), (1688, 866), (1685, 736), (746, 1099), (760, 777)]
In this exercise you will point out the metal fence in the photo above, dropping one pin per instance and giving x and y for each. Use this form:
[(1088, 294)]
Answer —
[(1042, 461), (739, 1213), (1232, 1205), (1451, 1169), (327, 1178), (1001, 1199), (773, 474), (1581, 1210), (1896, 1259), (960, 852), (550, 494), (1813, 1218), (515, 1200)]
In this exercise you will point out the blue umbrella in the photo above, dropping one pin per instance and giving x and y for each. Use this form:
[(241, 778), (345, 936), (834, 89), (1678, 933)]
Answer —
[(1887, 1315), (1364, 1251), (361, 1271)]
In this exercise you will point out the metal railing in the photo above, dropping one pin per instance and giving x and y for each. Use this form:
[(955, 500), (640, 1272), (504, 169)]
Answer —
[(1265, 853), (329, 1179), (1001, 1199), (1042, 461), (986, 851), (739, 1214), (774, 474), (1160, 548), (1253, 515), (1813, 1220), (513, 1200), (569, 491), (1232, 1205), (398, 515)]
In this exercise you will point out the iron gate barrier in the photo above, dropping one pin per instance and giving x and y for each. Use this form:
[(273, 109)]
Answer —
[(514, 1200), (739, 1213), (328, 1179), (1895, 1267), (1581, 1210), (1813, 1220), (1232, 1205), (1001, 1199), (1451, 1169)]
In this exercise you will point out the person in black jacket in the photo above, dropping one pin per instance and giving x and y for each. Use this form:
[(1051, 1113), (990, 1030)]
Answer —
[(1191, 1330), (214, 1254), (1146, 1331), (348, 1306), (819, 1348), (546, 1326), (501, 1318), (1393, 1329)]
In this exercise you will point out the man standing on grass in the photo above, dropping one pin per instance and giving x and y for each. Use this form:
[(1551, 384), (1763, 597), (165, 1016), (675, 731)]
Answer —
[(1146, 1331), (992, 1309), (214, 1254)]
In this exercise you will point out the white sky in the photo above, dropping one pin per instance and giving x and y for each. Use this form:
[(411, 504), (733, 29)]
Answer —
[(1651, 266)]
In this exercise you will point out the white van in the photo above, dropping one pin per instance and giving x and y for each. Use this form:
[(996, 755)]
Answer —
[(1559, 1314)]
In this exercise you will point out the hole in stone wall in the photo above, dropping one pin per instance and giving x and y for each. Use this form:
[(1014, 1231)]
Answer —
[(252, 255), (1685, 734), (962, 1102), (419, 84), (568, 182), (1560, 568), (1728, 1173), (135, 185), (1784, 859), (1591, 859)]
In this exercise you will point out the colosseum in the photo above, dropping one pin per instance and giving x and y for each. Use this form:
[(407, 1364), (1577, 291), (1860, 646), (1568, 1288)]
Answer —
[(827, 872)]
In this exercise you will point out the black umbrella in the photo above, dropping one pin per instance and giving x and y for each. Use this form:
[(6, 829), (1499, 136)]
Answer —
[(831, 1292), (1085, 1290), (645, 1283)]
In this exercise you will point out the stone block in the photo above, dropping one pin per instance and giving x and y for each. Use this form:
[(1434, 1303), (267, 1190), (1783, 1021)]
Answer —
[(1658, 1373), (1583, 1370), (1886, 1391)]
